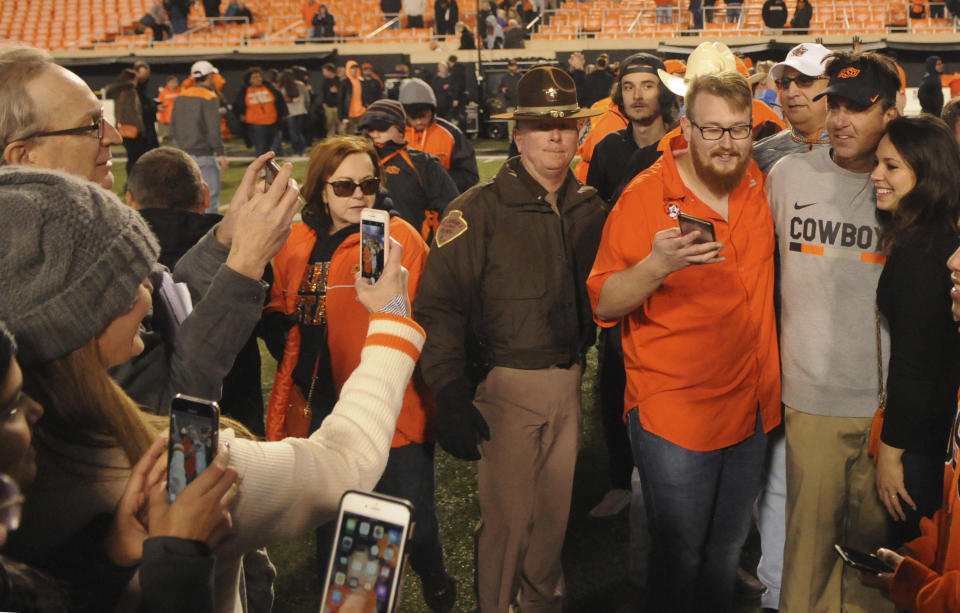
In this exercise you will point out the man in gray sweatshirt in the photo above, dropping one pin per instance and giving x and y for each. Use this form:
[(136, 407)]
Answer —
[(824, 210), (195, 127)]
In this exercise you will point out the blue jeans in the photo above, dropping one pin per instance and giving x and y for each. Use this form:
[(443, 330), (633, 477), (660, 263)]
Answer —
[(295, 124), (210, 171), (664, 14), (264, 138), (699, 509)]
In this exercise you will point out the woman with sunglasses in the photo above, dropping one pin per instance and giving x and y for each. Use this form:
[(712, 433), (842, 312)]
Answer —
[(73, 290), (313, 304), (917, 180)]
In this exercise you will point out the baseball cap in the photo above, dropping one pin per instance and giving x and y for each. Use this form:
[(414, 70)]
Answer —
[(806, 58), (861, 85), (202, 68)]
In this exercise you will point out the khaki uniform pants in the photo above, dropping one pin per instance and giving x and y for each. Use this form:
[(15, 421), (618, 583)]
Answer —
[(831, 498), (525, 478), (332, 116)]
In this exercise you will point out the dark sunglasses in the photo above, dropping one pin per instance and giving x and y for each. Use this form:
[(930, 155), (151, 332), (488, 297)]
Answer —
[(803, 81), (96, 126), (346, 187)]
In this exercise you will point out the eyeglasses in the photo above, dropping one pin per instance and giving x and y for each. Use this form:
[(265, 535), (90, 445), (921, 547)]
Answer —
[(803, 81), (346, 187), (96, 126), (739, 132)]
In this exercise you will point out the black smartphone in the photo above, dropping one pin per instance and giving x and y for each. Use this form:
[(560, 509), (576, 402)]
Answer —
[(194, 434), (272, 169), (862, 561), (689, 223), (368, 554)]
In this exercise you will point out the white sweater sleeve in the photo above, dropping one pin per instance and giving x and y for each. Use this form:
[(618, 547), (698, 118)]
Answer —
[(291, 486)]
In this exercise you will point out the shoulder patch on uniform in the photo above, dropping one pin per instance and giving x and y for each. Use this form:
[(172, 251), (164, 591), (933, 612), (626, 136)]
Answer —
[(452, 226)]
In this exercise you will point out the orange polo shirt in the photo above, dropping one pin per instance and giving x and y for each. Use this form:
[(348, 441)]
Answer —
[(701, 353)]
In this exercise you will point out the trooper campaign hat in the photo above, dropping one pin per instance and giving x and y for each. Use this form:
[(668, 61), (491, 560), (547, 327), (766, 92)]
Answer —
[(547, 92)]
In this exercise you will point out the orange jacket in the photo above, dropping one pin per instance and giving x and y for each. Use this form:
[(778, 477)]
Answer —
[(715, 322), (929, 581), (346, 330), (307, 11), (166, 97), (434, 140), (611, 121)]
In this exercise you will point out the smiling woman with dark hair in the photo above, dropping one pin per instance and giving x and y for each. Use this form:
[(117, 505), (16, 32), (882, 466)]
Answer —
[(917, 179)]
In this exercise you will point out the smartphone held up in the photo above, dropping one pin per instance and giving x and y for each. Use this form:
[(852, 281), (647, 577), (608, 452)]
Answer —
[(194, 434), (366, 565), (374, 242)]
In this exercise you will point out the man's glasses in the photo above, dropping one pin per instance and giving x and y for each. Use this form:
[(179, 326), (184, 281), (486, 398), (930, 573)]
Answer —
[(739, 132), (346, 187), (96, 126), (803, 81)]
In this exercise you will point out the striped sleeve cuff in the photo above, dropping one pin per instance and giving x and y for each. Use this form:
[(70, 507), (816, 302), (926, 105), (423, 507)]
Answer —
[(397, 332)]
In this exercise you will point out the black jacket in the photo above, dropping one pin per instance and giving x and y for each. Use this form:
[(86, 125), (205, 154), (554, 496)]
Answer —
[(598, 85), (616, 161), (416, 189), (446, 16), (801, 18), (774, 13), (930, 92)]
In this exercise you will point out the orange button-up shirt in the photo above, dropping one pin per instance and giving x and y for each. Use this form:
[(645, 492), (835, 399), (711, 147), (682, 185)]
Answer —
[(701, 352)]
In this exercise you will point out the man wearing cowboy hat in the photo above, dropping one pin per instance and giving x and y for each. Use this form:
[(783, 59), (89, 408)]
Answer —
[(504, 304), (699, 341)]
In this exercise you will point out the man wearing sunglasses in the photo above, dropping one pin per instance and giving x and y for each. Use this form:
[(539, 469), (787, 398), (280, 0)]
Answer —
[(418, 184), (799, 79), (703, 385)]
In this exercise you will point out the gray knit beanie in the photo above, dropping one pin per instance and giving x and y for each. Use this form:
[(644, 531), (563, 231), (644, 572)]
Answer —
[(416, 91), (71, 260)]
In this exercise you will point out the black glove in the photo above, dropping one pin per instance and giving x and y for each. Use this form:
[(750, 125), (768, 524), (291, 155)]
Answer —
[(460, 426)]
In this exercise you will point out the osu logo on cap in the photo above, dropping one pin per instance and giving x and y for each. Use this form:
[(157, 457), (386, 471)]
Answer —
[(848, 72), (799, 51)]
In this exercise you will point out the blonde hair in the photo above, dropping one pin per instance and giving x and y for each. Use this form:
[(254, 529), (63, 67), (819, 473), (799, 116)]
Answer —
[(731, 86), (84, 406)]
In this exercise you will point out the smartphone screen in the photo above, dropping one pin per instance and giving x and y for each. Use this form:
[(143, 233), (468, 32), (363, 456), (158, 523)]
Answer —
[(194, 429), (689, 223), (367, 562), (862, 561), (372, 244)]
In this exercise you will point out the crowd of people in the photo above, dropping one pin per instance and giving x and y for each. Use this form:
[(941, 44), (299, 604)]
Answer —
[(777, 295)]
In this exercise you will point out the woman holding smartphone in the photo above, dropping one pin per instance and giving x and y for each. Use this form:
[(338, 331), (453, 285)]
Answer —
[(313, 288), (73, 292), (917, 179)]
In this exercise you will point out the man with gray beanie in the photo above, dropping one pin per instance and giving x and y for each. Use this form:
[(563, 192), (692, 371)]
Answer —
[(53, 120), (435, 135)]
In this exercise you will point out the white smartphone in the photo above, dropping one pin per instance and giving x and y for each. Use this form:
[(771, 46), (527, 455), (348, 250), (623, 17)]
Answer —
[(369, 550), (374, 242), (194, 432)]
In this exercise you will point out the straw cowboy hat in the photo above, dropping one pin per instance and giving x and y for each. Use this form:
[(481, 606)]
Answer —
[(547, 92), (708, 58)]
